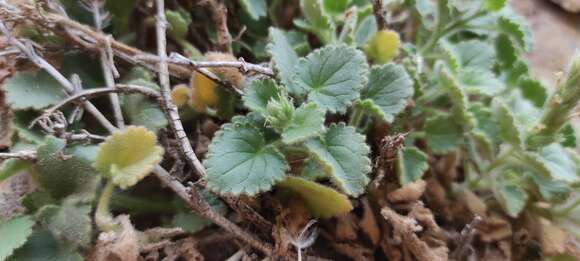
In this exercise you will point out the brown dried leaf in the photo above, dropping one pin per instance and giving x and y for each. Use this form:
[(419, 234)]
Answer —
[(346, 228), (119, 245), (473, 202), (230, 74), (408, 193), (368, 223), (424, 216), (406, 228), (353, 251), (553, 238), (493, 229)]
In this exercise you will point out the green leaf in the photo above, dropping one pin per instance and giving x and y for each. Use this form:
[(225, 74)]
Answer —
[(474, 53), (387, 91), (411, 164), (21, 121), (443, 134), (427, 12), (37, 199), (555, 191), (179, 24), (336, 7), (569, 137), (43, 246), (332, 76), (562, 163), (11, 167), (486, 122), (509, 131), (513, 198), (259, 93), (383, 47), (517, 28), (317, 20), (255, 8), (507, 54), (344, 154), (494, 5), (69, 222), (27, 90), (312, 170), (534, 91), (120, 12), (240, 162), (15, 232), (128, 156), (63, 172), (365, 30), (284, 58), (476, 81), (321, 201), (458, 99), (307, 122), (141, 111)]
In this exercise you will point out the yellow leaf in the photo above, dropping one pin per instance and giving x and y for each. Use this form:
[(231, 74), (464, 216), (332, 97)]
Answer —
[(321, 201), (180, 94), (203, 92), (128, 156), (383, 46)]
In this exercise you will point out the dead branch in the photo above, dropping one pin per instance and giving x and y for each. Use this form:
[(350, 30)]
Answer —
[(24, 155)]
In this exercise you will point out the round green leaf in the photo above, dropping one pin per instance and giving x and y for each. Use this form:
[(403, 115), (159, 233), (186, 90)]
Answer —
[(128, 156), (307, 121), (411, 164), (387, 91), (259, 93), (443, 134), (14, 233), (240, 162), (332, 76), (33, 91), (344, 154)]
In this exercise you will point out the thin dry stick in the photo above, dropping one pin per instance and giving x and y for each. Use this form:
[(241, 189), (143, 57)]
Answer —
[(88, 94), (24, 155), (379, 13), (195, 201), (106, 65), (66, 84)]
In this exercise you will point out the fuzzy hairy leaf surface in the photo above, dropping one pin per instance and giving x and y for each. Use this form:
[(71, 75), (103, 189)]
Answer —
[(43, 246), (383, 46), (458, 99), (332, 76), (365, 30), (128, 156), (443, 134), (259, 93), (476, 81), (15, 232), (317, 20), (284, 58), (321, 201), (534, 91), (509, 131), (27, 90), (142, 111), (475, 54), (255, 8), (11, 167), (313, 170), (411, 164), (563, 164), (513, 198), (63, 172), (344, 153), (386, 93), (68, 222), (516, 27), (307, 121), (240, 162)]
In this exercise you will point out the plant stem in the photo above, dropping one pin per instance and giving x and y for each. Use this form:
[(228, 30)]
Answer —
[(103, 217), (356, 116)]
